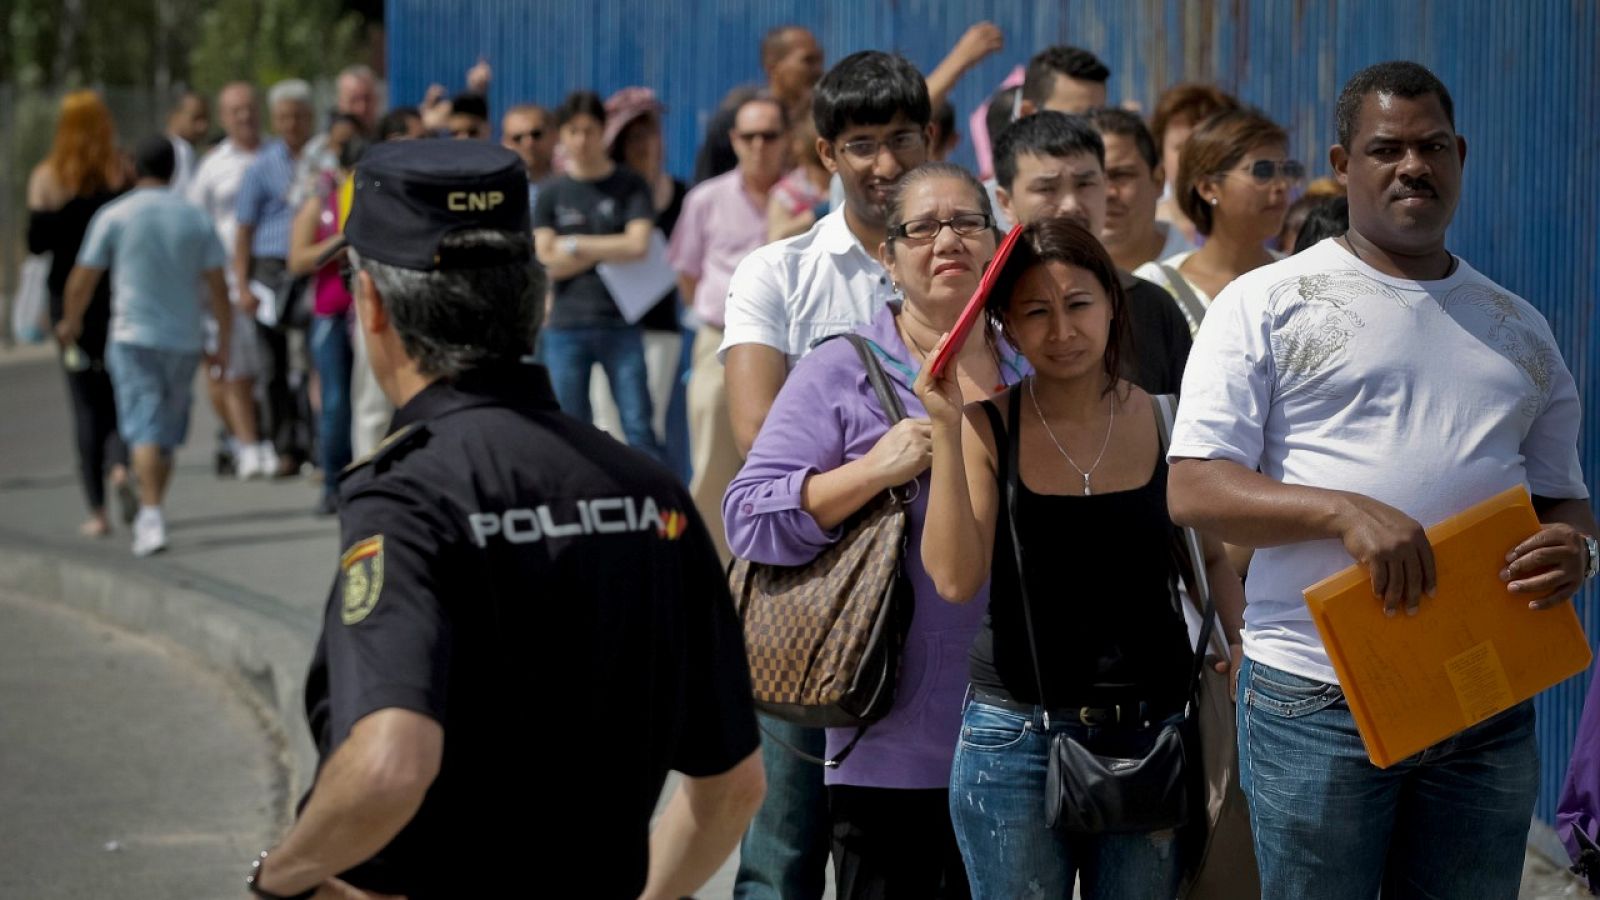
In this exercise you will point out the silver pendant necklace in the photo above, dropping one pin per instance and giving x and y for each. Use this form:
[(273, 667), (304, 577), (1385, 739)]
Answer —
[(1042, 421)]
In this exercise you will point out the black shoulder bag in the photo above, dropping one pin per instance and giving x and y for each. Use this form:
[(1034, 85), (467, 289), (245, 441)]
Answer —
[(1088, 793)]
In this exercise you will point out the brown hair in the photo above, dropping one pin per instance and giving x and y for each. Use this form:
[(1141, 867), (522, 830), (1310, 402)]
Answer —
[(1215, 146), (1064, 241), (896, 211), (84, 156), (1191, 101)]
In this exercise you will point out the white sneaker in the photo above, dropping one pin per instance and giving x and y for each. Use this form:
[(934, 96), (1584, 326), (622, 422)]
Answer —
[(149, 532), (247, 462), (269, 459)]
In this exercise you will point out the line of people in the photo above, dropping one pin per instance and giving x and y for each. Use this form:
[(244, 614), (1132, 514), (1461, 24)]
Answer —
[(1310, 435)]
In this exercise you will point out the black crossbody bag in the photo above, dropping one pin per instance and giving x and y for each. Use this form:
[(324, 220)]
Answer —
[(1089, 793)]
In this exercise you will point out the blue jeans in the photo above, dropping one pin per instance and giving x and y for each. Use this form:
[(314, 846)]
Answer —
[(679, 458), (570, 354), (784, 855), (332, 354), (1450, 822), (997, 790)]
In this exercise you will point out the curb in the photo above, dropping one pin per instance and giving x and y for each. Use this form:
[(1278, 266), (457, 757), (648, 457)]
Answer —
[(240, 635)]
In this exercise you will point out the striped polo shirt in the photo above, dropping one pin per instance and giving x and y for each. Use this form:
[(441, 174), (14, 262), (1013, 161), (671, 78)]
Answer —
[(264, 201)]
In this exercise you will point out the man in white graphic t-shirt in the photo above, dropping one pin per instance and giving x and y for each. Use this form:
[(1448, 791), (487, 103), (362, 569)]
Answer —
[(1334, 402)]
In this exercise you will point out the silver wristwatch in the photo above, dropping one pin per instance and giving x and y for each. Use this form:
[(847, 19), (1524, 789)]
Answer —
[(1591, 544)]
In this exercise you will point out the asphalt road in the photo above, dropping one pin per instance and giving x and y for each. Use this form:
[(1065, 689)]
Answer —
[(125, 769)]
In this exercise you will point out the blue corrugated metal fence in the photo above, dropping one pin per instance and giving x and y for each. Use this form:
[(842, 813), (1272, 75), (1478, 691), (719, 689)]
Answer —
[(1525, 77)]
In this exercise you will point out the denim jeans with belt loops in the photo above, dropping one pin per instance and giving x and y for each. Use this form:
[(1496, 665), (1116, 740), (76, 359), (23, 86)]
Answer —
[(997, 801), (1450, 822)]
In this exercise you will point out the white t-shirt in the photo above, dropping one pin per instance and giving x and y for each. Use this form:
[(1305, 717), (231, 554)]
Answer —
[(1155, 272), (791, 293), (182, 165), (1427, 396), (215, 188)]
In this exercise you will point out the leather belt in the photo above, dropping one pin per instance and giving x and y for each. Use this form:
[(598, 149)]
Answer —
[(1092, 716)]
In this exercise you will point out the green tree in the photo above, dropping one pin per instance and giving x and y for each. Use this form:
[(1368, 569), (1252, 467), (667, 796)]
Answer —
[(267, 40), (162, 44)]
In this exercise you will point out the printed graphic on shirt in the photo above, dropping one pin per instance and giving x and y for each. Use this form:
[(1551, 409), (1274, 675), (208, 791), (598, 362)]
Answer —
[(1316, 324), (362, 566), (1512, 336), (1315, 319), (597, 516)]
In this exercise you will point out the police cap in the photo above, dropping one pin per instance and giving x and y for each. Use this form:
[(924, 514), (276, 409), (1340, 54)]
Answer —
[(406, 196)]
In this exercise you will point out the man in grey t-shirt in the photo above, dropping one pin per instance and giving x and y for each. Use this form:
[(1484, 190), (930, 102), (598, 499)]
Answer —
[(157, 247)]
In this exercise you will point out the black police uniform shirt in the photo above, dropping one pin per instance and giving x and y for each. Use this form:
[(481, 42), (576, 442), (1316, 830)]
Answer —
[(549, 596), (573, 207)]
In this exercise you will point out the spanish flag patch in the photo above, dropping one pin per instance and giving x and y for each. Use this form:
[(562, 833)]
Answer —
[(362, 574)]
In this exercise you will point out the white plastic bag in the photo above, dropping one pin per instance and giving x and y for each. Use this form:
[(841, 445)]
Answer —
[(29, 308)]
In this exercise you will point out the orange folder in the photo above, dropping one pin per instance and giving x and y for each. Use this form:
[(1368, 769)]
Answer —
[(1473, 651)]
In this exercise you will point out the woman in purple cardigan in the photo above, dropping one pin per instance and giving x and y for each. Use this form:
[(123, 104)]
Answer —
[(825, 450)]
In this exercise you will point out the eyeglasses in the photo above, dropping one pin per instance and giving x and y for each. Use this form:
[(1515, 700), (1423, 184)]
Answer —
[(963, 224), (866, 149), (750, 137), (536, 134), (1265, 171)]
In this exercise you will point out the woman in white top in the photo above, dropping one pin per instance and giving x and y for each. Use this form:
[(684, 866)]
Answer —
[(1233, 182)]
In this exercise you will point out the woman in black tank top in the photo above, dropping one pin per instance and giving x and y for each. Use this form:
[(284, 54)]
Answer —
[(1101, 578)]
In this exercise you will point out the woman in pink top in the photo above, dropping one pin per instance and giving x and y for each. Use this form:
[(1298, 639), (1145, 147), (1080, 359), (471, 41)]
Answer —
[(315, 227)]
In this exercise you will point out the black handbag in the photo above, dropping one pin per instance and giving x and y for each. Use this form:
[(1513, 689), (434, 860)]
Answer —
[(1089, 792)]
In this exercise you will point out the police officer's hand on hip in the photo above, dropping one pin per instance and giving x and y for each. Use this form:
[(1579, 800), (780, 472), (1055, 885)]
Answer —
[(529, 626)]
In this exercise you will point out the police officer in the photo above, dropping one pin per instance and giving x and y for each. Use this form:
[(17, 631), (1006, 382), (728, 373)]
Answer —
[(529, 626)]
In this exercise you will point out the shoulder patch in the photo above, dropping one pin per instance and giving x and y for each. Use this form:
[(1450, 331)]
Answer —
[(361, 579), (390, 448)]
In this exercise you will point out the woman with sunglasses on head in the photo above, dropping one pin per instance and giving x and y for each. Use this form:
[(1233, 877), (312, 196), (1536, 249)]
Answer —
[(1091, 624), (827, 449), (1234, 179)]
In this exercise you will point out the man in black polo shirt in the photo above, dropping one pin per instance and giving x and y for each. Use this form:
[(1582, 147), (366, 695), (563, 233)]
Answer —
[(529, 626), (1052, 164)]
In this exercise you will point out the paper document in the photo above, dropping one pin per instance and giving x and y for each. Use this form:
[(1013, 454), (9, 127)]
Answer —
[(1471, 652), (266, 303), (639, 285)]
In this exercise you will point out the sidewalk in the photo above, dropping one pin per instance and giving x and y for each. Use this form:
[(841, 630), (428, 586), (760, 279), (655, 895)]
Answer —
[(244, 580)]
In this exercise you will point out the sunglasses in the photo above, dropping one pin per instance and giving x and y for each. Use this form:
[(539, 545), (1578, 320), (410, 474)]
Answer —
[(1265, 171), (536, 134), (750, 137)]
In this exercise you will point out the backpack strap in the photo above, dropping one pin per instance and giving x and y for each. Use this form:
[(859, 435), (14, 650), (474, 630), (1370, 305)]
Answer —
[(1194, 309), (1190, 555)]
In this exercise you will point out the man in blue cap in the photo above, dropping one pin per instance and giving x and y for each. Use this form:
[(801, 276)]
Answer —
[(512, 579)]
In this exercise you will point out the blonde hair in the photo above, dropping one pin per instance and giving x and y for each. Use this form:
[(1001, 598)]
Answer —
[(84, 156)]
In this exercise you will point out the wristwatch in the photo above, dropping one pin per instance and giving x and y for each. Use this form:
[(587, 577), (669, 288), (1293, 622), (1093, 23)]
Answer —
[(259, 891), (1591, 544), (569, 245)]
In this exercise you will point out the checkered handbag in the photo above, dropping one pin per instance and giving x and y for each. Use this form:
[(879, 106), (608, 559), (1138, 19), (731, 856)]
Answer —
[(824, 639)]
